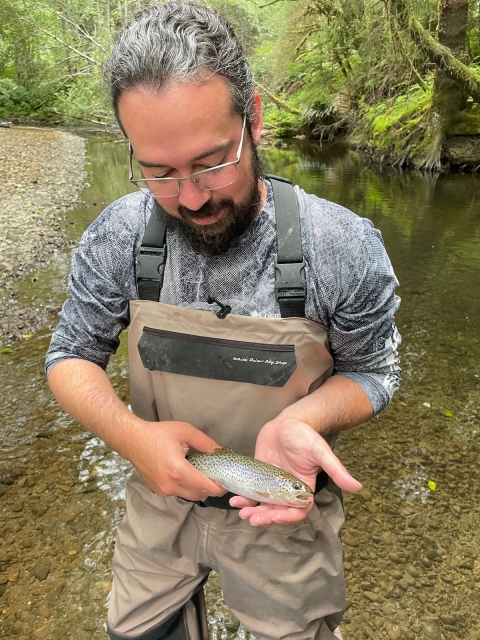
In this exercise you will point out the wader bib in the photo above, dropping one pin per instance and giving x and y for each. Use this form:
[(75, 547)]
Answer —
[(226, 375)]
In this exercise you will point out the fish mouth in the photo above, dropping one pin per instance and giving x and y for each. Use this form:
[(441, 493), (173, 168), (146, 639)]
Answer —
[(303, 499)]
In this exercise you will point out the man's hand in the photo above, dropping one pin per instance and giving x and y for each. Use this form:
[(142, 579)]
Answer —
[(159, 453), (296, 447), (156, 449)]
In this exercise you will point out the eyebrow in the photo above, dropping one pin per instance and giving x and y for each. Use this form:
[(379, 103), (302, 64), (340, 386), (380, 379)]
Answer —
[(205, 154)]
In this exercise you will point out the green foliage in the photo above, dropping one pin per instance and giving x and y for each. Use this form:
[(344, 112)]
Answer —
[(18, 101), (395, 128), (340, 65)]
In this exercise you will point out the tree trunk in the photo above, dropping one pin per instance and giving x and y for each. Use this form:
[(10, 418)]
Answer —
[(439, 54), (448, 98), (452, 127)]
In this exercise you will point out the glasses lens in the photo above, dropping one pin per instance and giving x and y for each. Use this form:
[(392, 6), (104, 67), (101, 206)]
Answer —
[(216, 178), (160, 189)]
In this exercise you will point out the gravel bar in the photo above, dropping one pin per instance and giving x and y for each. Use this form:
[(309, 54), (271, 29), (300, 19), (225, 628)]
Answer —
[(42, 175)]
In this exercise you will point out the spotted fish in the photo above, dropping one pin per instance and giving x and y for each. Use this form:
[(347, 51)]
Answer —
[(252, 478)]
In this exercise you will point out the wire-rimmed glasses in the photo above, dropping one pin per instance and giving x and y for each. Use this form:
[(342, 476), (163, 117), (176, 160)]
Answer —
[(212, 178)]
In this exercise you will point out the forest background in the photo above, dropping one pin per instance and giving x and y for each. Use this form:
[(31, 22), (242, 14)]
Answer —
[(399, 79)]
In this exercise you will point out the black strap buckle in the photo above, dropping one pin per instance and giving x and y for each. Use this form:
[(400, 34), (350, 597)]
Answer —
[(151, 263), (290, 281)]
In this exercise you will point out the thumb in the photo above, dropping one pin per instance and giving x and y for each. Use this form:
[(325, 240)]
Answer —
[(329, 462), (201, 442)]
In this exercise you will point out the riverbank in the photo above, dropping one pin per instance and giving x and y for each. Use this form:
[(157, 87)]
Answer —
[(42, 174)]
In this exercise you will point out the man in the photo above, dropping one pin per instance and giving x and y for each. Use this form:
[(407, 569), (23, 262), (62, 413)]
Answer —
[(202, 305)]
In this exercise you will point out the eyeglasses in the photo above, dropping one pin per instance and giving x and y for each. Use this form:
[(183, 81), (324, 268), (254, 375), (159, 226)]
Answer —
[(213, 178)]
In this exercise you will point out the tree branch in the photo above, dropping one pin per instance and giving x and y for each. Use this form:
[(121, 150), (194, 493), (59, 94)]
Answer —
[(437, 53), (278, 101), (65, 44), (83, 32)]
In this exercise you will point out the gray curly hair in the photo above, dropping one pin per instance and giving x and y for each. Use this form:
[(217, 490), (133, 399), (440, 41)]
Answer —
[(183, 42)]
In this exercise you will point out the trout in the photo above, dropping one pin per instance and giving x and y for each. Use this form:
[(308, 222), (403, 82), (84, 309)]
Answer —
[(252, 478)]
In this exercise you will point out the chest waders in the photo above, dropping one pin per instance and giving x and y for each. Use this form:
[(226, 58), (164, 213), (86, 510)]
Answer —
[(227, 375)]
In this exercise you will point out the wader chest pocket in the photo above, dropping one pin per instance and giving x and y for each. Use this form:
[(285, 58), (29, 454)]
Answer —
[(265, 364)]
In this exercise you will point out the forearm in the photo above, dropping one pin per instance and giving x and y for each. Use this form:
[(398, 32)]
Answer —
[(339, 404), (156, 449), (84, 391)]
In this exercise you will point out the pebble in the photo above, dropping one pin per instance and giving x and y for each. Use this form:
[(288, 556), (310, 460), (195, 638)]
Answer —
[(44, 611), (467, 564), (432, 628), (70, 514), (372, 596), (388, 539), (412, 571), (449, 620), (13, 574), (349, 540), (394, 631), (394, 557), (41, 569)]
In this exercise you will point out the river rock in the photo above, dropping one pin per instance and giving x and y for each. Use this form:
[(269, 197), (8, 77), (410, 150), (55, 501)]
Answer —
[(394, 631), (17, 506), (13, 574), (394, 557), (41, 569), (349, 540), (372, 596), (388, 538), (70, 514), (448, 620), (412, 571), (388, 608), (44, 611), (432, 628), (5, 557)]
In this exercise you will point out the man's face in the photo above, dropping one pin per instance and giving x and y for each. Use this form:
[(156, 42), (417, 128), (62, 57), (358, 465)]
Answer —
[(187, 128)]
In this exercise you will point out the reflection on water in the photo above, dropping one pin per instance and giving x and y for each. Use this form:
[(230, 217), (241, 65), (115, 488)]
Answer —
[(63, 490)]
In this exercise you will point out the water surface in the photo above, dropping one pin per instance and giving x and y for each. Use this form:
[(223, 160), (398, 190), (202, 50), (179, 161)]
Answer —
[(411, 542)]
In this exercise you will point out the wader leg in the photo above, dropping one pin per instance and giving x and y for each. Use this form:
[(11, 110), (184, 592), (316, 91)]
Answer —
[(189, 623)]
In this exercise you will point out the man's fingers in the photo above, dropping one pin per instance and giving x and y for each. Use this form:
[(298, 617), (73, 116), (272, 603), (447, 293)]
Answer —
[(240, 501), (266, 515), (200, 441), (328, 461)]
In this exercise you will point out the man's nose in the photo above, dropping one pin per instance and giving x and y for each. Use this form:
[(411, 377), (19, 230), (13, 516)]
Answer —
[(192, 196)]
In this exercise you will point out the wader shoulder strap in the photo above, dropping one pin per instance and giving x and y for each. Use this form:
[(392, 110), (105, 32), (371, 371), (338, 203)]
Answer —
[(152, 256), (290, 284)]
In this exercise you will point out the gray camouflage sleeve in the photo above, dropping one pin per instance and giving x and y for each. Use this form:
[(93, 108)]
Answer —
[(100, 285), (354, 295)]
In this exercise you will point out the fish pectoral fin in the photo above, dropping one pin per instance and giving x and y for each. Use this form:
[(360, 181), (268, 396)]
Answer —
[(262, 494)]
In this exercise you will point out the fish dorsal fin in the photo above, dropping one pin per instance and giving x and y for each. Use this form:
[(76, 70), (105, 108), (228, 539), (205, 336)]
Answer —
[(223, 449)]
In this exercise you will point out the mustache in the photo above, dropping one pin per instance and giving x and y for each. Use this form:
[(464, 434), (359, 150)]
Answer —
[(208, 209)]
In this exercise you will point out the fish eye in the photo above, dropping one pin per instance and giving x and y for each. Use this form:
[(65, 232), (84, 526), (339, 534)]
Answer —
[(298, 486)]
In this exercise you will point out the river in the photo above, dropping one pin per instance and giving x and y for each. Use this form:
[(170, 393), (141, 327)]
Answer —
[(411, 536)]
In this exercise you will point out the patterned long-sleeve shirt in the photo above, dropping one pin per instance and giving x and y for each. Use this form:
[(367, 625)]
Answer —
[(350, 285)]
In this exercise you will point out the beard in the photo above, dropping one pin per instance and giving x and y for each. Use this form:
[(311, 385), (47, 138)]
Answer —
[(218, 237)]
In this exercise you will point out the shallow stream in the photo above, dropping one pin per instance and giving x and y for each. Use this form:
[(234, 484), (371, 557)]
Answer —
[(411, 539)]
